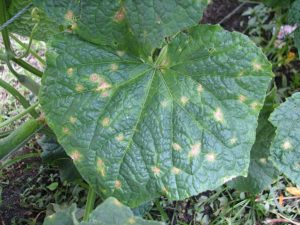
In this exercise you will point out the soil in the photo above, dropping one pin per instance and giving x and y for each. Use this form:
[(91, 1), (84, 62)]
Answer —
[(13, 182), (219, 9)]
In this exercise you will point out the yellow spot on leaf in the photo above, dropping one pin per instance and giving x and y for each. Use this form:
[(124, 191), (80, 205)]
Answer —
[(120, 137), (195, 150), (256, 66), (233, 140), (118, 184), (70, 71), (101, 167), (131, 220), (114, 67), (69, 15), (164, 103), (211, 157), (287, 145), (218, 115), (120, 15), (184, 100), (94, 77), (105, 122), (79, 87), (176, 170), (120, 53), (66, 130), (241, 73), (242, 98), (155, 170), (254, 105), (105, 94), (200, 88), (263, 160), (176, 147), (74, 26), (75, 155), (72, 119), (103, 85)]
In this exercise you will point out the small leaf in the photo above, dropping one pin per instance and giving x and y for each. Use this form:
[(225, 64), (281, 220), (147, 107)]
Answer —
[(53, 186), (285, 149), (293, 191), (110, 212)]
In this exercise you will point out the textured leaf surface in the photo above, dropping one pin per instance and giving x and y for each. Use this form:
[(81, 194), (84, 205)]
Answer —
[(56, 20), (261, 170), (62, 217), (177, 127), (294, 13), (111, 212), (285, 149), (25, 23), (124, 24)]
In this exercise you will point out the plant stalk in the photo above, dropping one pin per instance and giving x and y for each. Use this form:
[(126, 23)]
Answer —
[(14, 92), (35, 54), (89, 203), (20, 115), (24, 80)]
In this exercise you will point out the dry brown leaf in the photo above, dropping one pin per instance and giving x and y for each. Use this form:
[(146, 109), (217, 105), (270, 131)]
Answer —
[(293, 191)]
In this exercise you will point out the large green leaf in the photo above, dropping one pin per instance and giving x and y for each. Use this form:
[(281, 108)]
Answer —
[(181, 125), (118, 23), (111, 212), (285, 149), (261, 170)]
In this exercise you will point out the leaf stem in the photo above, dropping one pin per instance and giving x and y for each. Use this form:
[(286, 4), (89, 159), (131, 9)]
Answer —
[(35, 54), (28, 67), (89, 203), (24, 80), (14, 92), (20, 115), (19, 158)]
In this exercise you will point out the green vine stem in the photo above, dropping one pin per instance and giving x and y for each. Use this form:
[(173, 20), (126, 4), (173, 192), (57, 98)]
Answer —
[(24, 80), (19, 116), (18, 137), (27, 82), (39, 58), (89, 203), (28, 67), (14, 92), (18, 159)]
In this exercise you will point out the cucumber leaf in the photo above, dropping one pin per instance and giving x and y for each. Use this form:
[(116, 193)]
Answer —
[(111, 212), (178, 126), (261, 170), (285, 149)]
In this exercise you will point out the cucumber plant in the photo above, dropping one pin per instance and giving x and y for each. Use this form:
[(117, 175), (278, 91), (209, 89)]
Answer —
[(147, 102)]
